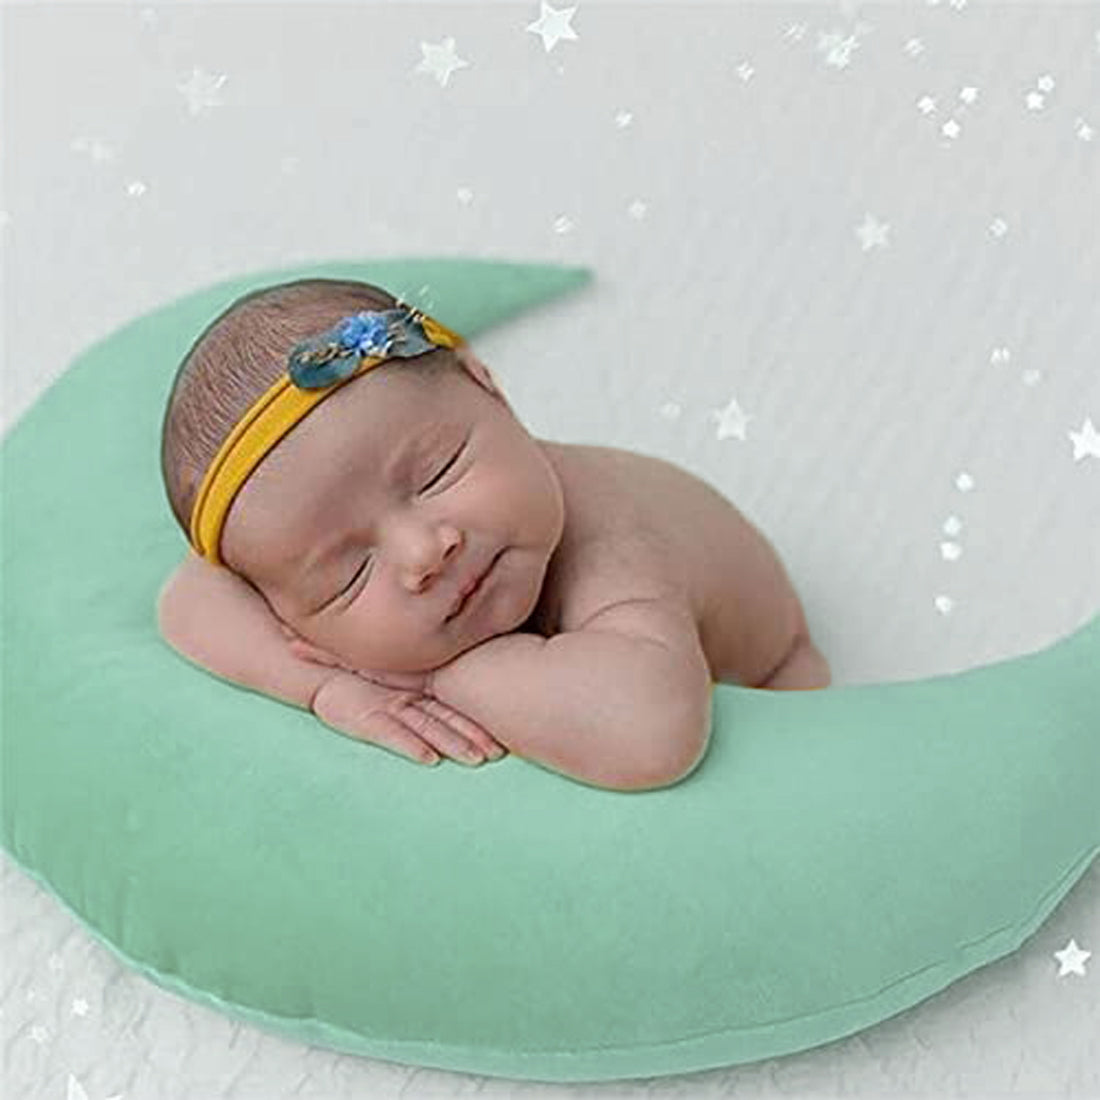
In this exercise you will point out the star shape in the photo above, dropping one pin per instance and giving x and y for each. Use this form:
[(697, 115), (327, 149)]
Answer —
[(440, 60), (837, 48), (1086, 442), (98, 150), (732, 420), (201, 91), (1034, 101), (552, 25), (872, 233), (76, 1091), (1072, 959)]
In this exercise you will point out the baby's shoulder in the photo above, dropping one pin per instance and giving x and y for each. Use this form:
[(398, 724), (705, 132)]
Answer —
[(620, 543)]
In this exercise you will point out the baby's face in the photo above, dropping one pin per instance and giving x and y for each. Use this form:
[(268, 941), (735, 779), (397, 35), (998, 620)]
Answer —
[(363, 524)]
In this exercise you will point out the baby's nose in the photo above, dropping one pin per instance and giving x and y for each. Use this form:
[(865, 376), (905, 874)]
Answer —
[(433, 561)]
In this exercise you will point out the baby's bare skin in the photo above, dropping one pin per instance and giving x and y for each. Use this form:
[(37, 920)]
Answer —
[(639, 526), (620, 583)]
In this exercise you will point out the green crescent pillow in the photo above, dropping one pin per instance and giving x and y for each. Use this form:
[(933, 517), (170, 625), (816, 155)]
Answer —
[(837, 857)]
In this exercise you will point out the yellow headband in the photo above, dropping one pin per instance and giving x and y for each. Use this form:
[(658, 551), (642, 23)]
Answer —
[(318, 367)]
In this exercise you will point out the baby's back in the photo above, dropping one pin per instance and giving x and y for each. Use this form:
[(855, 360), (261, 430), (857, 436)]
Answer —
[(637, 527)]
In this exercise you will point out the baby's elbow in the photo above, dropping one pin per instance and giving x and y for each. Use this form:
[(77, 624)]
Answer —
[(679, 748)]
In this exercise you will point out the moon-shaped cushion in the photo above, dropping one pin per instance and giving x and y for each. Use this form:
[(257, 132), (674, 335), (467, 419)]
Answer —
[(837, 857)]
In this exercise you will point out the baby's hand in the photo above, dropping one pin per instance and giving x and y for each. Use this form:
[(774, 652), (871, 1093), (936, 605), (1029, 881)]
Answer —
[(407, 722), (394, 710), (419, 682)]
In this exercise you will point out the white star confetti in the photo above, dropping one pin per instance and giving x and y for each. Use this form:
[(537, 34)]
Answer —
[(914, 47), (1086, 442), (964, 483), (1035, 101), (732, 421), (1072, 959), (563, 224), (76, 1091), (637, 209), (950, 129), (465, 196), (837, 48), (944, 605), (1083, 130), (968, 94), (1000, 355), (552, 25), (797, 31), (998, 227), (950, 551), (201, 91), (1032, 377), (440, 60), (80, 1006), (872, 233), (623, 119), (927, 105), (136, 187), (39, 1034), (1045, 83), (96, 149), (745, 71), (952, 525)]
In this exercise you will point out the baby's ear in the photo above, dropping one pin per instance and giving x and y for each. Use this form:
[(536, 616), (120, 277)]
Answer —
[(478, 370)]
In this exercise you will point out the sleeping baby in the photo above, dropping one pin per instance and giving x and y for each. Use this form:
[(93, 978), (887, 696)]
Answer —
[(375, 537)]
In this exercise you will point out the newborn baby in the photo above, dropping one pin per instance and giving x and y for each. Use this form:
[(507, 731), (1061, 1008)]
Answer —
[(415, 568)]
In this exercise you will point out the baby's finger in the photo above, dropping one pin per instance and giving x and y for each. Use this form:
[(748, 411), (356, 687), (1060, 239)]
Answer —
[(426, 723), (464, 726), (390, 733)]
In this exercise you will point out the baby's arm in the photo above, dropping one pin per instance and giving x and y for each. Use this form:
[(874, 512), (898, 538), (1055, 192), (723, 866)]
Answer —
[(215, 619), (218, 621), (622, 703)]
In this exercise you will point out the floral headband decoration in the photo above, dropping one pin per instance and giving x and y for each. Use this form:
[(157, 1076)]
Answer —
[(317, 367)]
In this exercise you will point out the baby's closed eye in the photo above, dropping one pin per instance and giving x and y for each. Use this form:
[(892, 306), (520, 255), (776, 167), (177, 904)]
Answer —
[(363, 568)]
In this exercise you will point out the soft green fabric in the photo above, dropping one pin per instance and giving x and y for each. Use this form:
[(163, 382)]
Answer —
[(838, 856)]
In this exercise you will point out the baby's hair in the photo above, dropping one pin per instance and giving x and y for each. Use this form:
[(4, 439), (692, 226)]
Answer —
[(239, 355)]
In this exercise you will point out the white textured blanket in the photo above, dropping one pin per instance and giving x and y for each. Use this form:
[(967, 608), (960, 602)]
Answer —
[(847, 263)]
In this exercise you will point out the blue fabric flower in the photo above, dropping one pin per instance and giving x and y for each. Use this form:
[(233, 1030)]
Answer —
[(367, 333), (333, 356)]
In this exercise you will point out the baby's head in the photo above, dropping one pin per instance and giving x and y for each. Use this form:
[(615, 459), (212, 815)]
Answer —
[(364, 522)]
